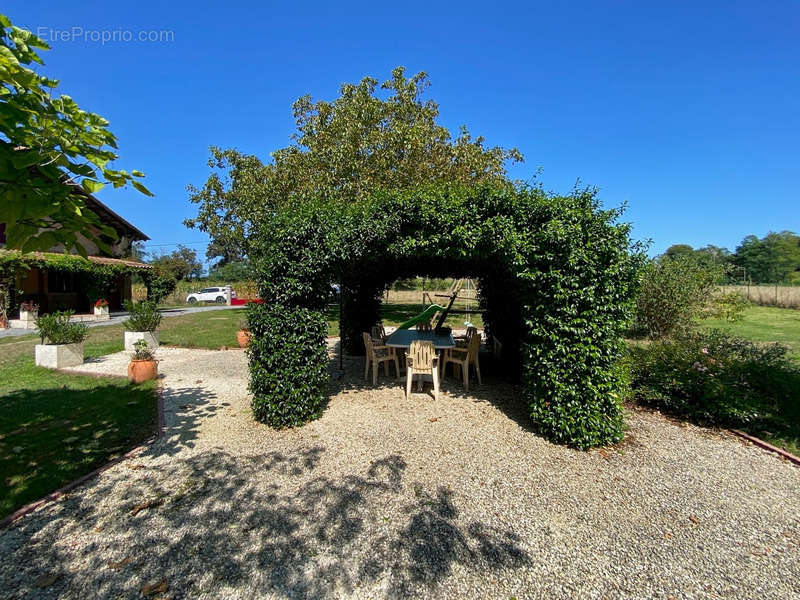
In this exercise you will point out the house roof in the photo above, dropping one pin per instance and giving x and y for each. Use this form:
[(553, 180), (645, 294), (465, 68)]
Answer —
[(100, 260), (109, 217), (127, 262)]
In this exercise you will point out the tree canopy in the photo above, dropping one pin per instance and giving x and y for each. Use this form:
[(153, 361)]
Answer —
[(51, 154), (775, 258), (181, 263), (373, 136)]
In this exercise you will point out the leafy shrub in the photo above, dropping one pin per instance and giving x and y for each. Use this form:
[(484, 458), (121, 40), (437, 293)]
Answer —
[(142, 316), (716, 378), (675, 294), (141, 351), (728, 305), (288, 364), (56, 328), (160, 284)]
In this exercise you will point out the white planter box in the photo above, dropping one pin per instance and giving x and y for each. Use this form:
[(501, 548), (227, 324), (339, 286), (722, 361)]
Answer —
[(131, 337), (28, 315), (58, 356), (101, 313)]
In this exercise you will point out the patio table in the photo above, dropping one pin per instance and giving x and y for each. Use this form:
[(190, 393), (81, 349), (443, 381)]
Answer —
[(402, 338)]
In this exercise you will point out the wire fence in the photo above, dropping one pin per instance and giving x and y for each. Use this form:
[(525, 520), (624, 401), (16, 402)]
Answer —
[(784, 296)]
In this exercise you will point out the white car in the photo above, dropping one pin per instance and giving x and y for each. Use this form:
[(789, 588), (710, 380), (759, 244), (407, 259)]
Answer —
[(211, 294)]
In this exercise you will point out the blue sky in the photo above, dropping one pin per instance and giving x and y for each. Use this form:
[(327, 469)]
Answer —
[(688, 112)]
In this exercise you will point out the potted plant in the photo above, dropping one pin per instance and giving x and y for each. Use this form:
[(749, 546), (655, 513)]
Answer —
[(244, 335), (142, 324), (143, 365), (101, 309), (28, 311), (62, 341)]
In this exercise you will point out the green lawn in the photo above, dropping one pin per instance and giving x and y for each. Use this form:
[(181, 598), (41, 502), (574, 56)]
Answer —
[(772, 324), (765, 324), (56, 427)]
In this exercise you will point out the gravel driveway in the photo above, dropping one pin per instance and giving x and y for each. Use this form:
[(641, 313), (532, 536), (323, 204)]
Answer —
[(392, 497)]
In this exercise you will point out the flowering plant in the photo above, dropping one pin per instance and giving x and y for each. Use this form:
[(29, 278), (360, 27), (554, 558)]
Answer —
[(29, 305), (102, 303)]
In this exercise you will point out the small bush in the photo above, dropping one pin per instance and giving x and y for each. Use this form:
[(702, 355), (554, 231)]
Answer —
[(142, 316), (675, 294), (728, 305), (716, 378), (160, 284), (288, 364), (141, 351), (56, 328)]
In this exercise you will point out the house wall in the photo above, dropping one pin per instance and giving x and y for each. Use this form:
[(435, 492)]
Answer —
[(62, 291)]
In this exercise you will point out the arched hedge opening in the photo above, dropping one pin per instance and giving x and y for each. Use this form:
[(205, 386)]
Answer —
[(556, 277)]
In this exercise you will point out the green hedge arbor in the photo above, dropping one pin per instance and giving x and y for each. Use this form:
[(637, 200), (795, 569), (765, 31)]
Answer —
[(557, 277)]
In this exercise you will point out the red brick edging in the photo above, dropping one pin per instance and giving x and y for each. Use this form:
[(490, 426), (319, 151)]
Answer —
[(28, 508), (766, 446)]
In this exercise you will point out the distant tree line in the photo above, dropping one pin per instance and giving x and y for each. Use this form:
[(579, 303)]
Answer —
[(775, 258), (182, 264)]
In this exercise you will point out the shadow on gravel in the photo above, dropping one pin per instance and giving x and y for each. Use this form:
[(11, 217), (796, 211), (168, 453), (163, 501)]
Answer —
[(184, 410), (215, 524)]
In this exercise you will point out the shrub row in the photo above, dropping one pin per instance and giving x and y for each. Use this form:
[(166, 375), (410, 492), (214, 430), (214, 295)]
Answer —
[(715, 378)]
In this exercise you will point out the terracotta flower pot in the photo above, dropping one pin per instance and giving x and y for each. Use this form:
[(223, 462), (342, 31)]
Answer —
[(142, 370), (243, 337)]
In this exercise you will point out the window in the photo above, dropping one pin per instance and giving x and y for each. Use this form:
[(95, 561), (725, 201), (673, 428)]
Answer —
[(60, 282)]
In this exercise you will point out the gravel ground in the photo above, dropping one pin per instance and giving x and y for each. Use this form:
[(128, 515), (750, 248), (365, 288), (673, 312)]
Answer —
[(392, 497)]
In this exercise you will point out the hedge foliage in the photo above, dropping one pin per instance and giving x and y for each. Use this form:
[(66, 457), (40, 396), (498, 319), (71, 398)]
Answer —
[(557, 277), (288, 364)]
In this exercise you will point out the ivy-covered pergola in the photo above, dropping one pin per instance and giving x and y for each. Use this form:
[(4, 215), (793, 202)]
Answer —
[(556, 279)]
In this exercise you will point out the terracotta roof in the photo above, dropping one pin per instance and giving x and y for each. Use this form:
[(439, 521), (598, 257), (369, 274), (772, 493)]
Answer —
[(128, 262), (100, 260)]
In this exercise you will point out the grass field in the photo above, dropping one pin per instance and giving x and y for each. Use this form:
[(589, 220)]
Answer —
[(765, 324), (55, 427)]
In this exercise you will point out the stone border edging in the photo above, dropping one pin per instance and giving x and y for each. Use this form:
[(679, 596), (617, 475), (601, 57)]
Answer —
[(60, 492), (767, 446)]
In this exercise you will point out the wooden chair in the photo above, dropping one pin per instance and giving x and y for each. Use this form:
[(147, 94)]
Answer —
[(464, 357), (422, 360), (378, 333), (462, 341), (377, 354)]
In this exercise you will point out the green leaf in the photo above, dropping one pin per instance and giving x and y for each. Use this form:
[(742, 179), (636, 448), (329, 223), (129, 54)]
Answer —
[(92, 186), (141, 188)]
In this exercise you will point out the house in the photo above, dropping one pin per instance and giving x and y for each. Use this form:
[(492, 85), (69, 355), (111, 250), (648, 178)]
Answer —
[(53, 286)]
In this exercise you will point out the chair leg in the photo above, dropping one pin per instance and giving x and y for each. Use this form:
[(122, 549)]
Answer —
[(374, 372), (397, 365), (409, 382), (465, 371), (366, 367), (435, 373), (478, 370)]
